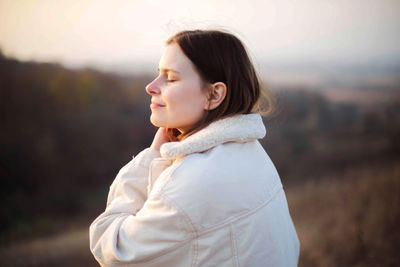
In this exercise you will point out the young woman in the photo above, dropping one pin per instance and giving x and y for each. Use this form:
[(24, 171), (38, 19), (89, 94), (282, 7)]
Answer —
[(205, 193)]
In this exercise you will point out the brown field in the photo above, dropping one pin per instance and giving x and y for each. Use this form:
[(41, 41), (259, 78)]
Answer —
[(349, 219)]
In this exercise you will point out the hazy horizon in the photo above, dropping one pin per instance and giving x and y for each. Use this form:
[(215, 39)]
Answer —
[(123, 35)]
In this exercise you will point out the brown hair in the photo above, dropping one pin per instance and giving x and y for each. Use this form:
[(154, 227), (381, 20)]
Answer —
[(219, 56)]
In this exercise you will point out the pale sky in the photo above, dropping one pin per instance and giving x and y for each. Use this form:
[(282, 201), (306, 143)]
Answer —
[(112, 32)]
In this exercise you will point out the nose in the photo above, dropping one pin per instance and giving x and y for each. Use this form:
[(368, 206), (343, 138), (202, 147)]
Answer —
[(152, 88)]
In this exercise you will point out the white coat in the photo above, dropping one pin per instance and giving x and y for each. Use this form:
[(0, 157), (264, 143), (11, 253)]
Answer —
[(213, 199)]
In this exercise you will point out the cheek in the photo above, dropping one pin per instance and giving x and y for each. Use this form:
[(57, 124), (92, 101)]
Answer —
[(178, 97), (171, 99), (188, 101)]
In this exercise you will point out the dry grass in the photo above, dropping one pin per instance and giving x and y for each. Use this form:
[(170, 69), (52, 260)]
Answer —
[(351, 219), (67, 249)]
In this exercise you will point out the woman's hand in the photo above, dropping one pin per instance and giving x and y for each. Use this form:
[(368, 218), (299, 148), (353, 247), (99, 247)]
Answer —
[(160, 138)]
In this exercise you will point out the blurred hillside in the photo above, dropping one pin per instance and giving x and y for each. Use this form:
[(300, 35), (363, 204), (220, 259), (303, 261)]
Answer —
[(320, 134), (66, 133)]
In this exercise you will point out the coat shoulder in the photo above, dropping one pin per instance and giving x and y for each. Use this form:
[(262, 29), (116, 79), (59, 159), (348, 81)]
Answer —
[(223, 182)]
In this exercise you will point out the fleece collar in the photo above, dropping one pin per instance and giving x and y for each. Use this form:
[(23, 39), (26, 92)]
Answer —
[(239, 128)]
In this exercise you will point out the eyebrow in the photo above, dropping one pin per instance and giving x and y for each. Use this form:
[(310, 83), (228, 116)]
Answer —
[(168, 70)]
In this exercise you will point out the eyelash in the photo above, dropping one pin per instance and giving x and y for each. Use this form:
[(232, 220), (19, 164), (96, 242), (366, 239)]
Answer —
[(170, 81)]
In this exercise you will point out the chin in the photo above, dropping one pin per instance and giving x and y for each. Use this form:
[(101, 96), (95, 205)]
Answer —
[(156, 122)]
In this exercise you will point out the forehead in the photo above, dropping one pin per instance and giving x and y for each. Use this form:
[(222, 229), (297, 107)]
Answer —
[(174, 60)]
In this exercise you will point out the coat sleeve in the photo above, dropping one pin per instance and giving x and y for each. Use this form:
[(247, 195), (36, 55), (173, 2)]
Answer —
[(134, 230), (131, 181)]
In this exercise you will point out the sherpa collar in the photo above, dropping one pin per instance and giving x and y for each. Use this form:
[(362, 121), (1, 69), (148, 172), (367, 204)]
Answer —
[(240, 128)]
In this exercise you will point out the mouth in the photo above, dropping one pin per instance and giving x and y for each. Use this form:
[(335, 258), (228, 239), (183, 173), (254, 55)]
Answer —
[(156, 105)]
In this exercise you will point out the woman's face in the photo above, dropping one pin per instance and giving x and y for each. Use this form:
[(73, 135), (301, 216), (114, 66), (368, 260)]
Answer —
[(178, 100)]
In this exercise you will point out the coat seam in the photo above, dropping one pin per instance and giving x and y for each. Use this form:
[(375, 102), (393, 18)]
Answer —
[(150, 259), (140, 164), (233, 219), (169, 177), (234, 247), (150, 178), (194, 232), (180, 244), (182, 213)]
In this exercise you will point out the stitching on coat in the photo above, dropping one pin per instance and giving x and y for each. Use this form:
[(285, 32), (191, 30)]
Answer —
[(234, 247), (149, 180), (139, 164), (194, 232), (275, 191), (186, 218), (150, 260), (169, 177), (173, 248)]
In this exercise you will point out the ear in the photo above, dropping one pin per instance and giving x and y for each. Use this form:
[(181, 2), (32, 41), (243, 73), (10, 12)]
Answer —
[(216, 95)]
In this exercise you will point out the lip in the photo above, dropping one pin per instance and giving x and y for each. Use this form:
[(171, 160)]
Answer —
[(156, 105)]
